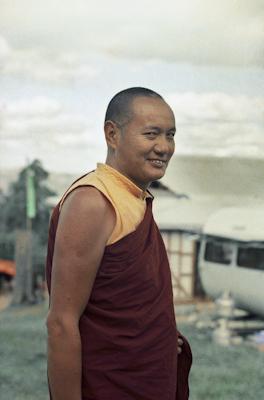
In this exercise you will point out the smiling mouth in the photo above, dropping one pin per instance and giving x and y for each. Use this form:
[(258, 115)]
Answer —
[(158, 163)]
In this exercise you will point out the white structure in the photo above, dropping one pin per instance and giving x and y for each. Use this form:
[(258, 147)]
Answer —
[(232, 256), (181, 249), (211, 183), (180, 221)]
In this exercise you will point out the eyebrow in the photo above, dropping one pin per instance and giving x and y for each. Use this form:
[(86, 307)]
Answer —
[(156, 128)]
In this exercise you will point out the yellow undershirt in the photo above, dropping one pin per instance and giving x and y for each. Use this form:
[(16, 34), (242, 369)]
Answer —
[(128, 200)]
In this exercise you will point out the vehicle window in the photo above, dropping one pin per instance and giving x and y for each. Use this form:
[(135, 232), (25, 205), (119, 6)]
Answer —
[(218, 252), (251, 257)]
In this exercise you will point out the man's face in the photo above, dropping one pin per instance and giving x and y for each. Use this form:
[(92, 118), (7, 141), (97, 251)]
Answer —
[(146, 142)]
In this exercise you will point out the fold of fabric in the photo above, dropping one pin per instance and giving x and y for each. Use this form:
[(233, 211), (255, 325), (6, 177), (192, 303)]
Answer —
[(128, 328)]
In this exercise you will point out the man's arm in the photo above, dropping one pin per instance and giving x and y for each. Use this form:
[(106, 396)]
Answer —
[(85, 224)]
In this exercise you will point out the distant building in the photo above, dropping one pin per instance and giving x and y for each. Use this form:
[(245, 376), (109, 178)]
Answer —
[(180, 221)]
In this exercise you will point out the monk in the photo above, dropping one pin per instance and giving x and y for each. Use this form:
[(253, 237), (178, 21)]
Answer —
[(112, 333)]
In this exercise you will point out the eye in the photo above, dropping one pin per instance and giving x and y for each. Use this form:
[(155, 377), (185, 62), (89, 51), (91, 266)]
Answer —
[(171, 135), (150, 134)]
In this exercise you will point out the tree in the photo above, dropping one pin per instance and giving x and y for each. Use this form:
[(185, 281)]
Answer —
[(14, 203), (14, 221)]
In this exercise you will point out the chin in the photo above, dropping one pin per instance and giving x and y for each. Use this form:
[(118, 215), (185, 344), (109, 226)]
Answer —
[(157, 176)]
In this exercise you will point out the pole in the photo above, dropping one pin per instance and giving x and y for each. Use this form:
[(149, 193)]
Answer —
[(31, 213)]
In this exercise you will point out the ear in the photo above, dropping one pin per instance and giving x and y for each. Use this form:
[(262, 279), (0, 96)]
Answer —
[(112, 134)]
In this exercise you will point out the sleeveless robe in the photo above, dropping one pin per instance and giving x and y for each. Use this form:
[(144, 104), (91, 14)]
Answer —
[(128, 328)]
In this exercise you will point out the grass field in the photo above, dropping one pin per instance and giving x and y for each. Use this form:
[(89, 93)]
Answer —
[(234, 373)]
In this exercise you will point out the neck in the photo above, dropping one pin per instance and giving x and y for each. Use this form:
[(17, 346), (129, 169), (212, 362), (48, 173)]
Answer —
[(109, 161)]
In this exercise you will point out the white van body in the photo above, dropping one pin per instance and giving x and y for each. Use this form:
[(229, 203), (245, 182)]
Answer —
[(231, 256)]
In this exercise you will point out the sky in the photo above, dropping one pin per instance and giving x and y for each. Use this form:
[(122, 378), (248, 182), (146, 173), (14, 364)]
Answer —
[(62, 61)]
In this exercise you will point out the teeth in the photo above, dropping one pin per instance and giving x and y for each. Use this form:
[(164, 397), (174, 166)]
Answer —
[(158, 162)]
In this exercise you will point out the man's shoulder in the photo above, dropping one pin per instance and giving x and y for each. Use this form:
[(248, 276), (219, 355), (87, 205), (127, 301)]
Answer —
[(89, 180), (86, 199), (87, 208)]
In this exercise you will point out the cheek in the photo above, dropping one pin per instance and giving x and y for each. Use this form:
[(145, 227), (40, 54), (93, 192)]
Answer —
[(125, 149), (172, 148)]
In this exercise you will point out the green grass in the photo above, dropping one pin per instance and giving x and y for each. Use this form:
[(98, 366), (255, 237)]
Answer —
[(224, 373), (218, 373), (23, 354)]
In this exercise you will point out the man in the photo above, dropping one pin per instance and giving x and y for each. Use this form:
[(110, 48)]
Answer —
[(111, 327)]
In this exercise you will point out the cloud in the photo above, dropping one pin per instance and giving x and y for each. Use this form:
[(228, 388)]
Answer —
[(197, 31), (217, 107), (4, 49), (45, 65), (43, 128), (29, 108), (44, 121), (218, 124), (211, 123)]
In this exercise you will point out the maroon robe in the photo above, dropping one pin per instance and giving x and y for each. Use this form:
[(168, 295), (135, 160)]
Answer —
[(128, 328)]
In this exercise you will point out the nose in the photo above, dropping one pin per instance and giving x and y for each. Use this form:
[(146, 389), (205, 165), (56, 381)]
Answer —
[(163, 145)]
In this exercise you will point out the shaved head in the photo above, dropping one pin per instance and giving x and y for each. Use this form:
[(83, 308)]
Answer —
[(119, 109)]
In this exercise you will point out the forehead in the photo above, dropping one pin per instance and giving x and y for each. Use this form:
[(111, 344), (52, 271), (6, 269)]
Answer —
[(151, 110)]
